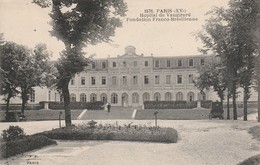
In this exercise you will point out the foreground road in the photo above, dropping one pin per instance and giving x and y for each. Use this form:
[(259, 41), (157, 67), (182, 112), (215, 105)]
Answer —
[(201, 142)]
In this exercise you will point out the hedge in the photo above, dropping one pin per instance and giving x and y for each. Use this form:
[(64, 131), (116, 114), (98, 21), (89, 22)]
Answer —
[(19, 106), (98, 105), (170, 104), (206, 103), (14, 147)]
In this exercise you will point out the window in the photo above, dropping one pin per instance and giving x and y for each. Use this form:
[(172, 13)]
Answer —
[(93, 80), (103, 80), (135, 98), (55, 96), (179, 79), (124, 63), (72, 81), (157, 96), (93, 97), (157, 79), (103, 97), (190, 62), (49, 95), (104, 65), (113, 80), (168, 63), (145, 63), (61, 98), (146, 97), (114, 99), (83, 97), (201, 96), (190, 96), (168, 96), (73, 97), (93, 65), (114, 64), (179, 96), (168, 79), (135, 80), (202, 61), (32, 96), (124, 80), (179, 63), (157, 63), (146, 80), (190, 79), (135, 63), (83, 82)]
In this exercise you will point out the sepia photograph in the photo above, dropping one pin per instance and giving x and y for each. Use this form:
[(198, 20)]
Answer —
[(123, 82)]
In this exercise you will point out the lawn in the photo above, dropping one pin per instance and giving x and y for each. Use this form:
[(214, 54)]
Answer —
[(35, 115), (184, 114)]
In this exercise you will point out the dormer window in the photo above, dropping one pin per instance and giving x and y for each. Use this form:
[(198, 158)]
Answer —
[(191, 62), (157, 63), (104, 65)]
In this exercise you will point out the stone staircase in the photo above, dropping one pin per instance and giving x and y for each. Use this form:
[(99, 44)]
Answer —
[(115, 113)]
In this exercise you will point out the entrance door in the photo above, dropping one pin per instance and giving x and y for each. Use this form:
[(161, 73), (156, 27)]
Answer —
[(125, 100)]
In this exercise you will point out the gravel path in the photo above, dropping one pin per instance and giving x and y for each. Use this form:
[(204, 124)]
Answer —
[(206, 142)]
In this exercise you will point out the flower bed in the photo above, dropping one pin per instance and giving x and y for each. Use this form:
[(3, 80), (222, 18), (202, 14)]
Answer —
[(114, 132)]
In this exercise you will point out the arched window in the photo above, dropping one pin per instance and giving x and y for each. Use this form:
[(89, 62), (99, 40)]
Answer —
[(93, 97), (83, 97), (157, 96), (61, 98), (73, 97), (32, 96), (201, 96), (114, 98), (190, 96), (168, 96), (146, 97), (135, 98), (179, 96), (103, 97)]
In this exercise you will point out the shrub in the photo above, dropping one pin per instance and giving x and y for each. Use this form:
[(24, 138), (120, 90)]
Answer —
[(206, 103), (13, 133), (28, 143), (254, 160), (91, 131), (255, 131), (19, 106), (169, 105), (92, 124), (98, 105)]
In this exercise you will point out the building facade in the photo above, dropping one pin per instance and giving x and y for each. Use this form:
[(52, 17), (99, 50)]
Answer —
[(131, 79)]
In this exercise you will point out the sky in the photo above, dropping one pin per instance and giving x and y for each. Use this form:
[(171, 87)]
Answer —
[(26, 23)]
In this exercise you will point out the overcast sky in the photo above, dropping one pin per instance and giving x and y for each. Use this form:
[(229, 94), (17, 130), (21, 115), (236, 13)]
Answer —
[(26, 23)]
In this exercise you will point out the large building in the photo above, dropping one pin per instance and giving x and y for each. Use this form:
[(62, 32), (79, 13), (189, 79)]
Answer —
[(130, 79)]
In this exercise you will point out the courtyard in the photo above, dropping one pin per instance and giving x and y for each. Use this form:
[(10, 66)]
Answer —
[(200, 142)]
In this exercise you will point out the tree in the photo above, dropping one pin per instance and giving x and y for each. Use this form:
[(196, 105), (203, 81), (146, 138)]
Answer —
[(33, 71), (228, 33), (257, 60), (77, 24), (243, 25), (11, 56), (211, 75)]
